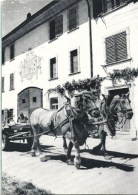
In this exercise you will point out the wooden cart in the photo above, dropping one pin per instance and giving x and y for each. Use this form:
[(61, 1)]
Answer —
[(19, 131)]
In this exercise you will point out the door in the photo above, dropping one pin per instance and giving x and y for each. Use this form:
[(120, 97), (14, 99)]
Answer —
[(28, 100), (126, 122)]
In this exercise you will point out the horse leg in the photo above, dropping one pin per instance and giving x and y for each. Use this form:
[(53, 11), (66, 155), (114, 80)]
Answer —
[(98, 147), (65, 144), (77, 159), (102, 136), (36, 144), (70, 146), (32, 152), (103, 141)]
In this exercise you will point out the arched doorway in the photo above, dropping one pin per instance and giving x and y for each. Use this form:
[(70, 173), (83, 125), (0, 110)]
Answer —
[(28, 100)]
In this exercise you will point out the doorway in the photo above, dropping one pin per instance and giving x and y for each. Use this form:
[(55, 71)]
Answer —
[(28, 100), (126, 126)]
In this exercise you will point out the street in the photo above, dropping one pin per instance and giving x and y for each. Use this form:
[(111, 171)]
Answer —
[(119, 175)]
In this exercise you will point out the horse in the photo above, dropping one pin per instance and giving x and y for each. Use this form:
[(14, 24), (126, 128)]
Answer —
[(111, 108), (69, 121)]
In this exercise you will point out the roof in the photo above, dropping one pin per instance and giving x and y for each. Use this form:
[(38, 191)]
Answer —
[(43, 15)]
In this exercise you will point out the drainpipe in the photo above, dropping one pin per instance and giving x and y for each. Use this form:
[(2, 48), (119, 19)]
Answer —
[(90, 38)]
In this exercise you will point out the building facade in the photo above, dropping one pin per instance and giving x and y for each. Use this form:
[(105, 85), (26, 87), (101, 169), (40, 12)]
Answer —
[(68, 40)]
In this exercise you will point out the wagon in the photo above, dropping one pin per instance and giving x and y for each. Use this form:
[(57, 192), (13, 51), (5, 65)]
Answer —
[(19, 131)]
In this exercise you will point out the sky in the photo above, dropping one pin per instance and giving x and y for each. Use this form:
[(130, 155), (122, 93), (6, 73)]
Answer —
[(14, 12)]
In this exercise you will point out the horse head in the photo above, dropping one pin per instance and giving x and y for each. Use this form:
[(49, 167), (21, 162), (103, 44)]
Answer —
[(114, 107), (119, 105), (124, 106), (84, 102)]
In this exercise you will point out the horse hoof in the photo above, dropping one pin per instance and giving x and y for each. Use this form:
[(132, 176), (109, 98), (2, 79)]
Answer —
[(77, 165), (107, 157), (44, 158), (77, 162), (32, 154), (69, 162)]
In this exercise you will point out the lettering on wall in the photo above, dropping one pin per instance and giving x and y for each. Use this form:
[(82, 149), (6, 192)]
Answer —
[(30, 67)]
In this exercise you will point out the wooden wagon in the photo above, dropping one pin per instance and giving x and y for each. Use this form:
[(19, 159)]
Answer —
[(19, 131)]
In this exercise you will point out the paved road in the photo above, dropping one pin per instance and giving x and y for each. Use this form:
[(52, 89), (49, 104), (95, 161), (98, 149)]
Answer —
[(96, 175)]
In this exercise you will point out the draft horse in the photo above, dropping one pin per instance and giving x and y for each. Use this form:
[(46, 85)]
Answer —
[(111, 108), (69, 120)]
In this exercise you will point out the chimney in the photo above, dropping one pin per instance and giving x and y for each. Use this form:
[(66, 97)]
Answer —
[(28, 16)]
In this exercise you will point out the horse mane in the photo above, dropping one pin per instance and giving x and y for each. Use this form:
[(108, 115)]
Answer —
[(114, 101)]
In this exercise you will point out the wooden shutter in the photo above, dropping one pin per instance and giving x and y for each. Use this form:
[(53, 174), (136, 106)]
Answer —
[(74, 61), (3, 55), (52, 29), (59, 25), (12, 51), (53, 68), (2, 84), (72, 17), (110, 49), (121, 46), (97, 8), (11, 81)]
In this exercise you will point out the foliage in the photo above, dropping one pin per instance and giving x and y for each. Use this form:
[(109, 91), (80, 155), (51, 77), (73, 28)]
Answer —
[(80, 85), (126, 74)]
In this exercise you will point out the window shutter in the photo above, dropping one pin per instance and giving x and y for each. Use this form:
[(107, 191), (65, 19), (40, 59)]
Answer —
[(121, 46), (72, 18), (53, 68), (3, 55), (52, 29), (2, 84), (74, 61), (97, 8), (12, 51), (110, 50), (11, 81), (59, 25)]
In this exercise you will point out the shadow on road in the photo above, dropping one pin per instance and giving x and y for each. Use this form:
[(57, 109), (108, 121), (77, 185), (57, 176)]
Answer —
[(23, 147), (92, 163), (86, 162), (112, 153)]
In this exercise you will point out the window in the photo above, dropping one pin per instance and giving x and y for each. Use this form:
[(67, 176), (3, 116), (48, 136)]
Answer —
[(74, 61), (23, 101), (54, 103), (56, 27), (12, 55), (73, 18), (12, 81), (34, 99), (10, 113), (53, 68), (2, 115), (116, 48), (3, 55), (103, 6), (2, 84)]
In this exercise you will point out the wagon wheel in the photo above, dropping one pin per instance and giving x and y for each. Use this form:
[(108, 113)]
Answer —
[(30, 139), (5, 142)]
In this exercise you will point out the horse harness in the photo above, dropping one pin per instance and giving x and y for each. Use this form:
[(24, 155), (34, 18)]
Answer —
[(70, 116)]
